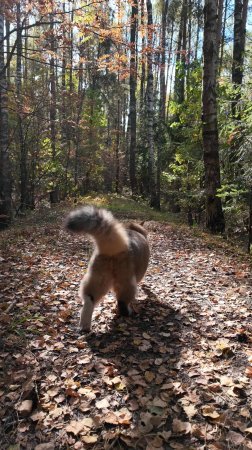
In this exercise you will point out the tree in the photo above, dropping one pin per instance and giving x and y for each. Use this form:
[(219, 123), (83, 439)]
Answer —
[(240, 19), (133, 84), (5, 173), (150, 108), (214, 215)]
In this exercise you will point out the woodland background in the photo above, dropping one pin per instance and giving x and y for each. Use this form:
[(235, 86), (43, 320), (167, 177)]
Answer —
[(135, 97), (134, 106)]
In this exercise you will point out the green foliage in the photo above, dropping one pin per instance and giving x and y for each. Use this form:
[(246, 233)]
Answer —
[(182, 178)]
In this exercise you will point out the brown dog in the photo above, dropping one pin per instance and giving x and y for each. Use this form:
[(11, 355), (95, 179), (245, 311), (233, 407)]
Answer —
[(119, 261)]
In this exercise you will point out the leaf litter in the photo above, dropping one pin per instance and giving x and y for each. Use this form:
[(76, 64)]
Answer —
[(177, 375)]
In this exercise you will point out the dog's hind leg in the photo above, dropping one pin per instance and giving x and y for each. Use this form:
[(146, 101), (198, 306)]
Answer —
[(125, 294)]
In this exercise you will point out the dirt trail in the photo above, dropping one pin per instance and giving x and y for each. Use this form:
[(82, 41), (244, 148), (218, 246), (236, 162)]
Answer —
[(176, 376)]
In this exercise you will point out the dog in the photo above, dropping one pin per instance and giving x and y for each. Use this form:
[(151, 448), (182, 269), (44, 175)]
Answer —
[(119, 261)]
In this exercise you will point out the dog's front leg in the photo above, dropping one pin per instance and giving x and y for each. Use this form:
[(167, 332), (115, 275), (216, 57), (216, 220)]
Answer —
[(86, 313)]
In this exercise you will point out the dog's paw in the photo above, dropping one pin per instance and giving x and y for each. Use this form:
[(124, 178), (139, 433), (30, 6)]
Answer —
[(124, 310), (84, 327)]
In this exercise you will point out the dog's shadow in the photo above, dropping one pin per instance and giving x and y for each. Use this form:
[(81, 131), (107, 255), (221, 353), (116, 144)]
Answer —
[(147, 342)]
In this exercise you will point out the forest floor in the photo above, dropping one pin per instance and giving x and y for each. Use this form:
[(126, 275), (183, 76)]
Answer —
[(176, 376)]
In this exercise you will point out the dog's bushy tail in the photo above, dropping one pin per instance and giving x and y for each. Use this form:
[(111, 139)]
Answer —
[(89, 219), (110, 236)]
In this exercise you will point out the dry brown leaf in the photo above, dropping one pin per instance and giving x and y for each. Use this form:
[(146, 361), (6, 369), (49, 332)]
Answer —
[(248, 372), (124, 416), (226, 381), (244, 412), (38, 415), (180, 427), (111, 418), (159, 402), (76, 426), (156, 443), (149, 376), (90, 439), (210, 411), (235, 438), (190, 410), (45, 446), (165, 435), (102, 404), (25, 408)]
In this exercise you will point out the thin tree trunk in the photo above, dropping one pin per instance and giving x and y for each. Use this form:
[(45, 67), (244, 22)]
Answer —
[(180, 73), (240, 19), (250, 221), (198, 29), (117, 143), (214, 214), (142, 81), (219, 25), (132, 112), (162, 104), (22, 146), (52, 81), (222, 43), (5, 171), (7, 27), (150, 108)]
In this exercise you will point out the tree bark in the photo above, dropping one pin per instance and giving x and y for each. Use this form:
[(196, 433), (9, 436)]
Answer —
[(214, 215), (150, 108), (240, 19), (222, 40), (180, 73), (22, 147), (132, 111), (5, 171)]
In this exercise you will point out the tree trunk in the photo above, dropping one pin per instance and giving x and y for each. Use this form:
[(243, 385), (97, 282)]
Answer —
[(222, 41), (179, 84), (240, 19), (132, 112), (52, 79), (150, 108), (162, 104), (250, 221), (117, 142), (5, 171), (142, 81), (214, 214), (22, 146), (219, 25)]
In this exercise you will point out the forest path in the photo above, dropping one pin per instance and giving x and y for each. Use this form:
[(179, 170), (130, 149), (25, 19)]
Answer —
[(176, 376)]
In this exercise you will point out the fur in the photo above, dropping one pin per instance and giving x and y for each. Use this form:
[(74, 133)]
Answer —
[(119, 260)]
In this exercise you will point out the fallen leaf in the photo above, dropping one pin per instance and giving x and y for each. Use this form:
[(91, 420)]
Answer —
[(102, 404), (248, 372), (76, 426), (209, 411), (25, 408), (180, 427), (235, 438), (90, 439), (190, 410)]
